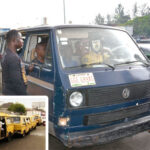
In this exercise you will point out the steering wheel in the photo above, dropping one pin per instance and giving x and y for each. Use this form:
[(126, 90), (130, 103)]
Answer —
[(106, 54), (118, 47)]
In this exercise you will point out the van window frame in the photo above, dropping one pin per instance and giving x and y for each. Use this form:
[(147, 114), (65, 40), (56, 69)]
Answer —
[(26, 48)]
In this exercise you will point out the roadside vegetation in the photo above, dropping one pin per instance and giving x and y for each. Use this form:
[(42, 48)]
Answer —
[(140, 19)]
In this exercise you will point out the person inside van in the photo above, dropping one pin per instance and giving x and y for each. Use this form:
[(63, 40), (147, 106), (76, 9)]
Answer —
[(92, 55), (67, 55), (95, 53), (3, 127), (40, 50)]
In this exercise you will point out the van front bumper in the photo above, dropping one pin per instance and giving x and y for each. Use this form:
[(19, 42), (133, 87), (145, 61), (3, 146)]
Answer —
[(108, 134)]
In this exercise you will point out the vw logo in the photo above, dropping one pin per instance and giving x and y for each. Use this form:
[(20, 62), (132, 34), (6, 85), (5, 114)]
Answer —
[(126, 93)]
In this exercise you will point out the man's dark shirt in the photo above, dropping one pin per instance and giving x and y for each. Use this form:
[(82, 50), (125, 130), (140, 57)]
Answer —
[(12, 80)]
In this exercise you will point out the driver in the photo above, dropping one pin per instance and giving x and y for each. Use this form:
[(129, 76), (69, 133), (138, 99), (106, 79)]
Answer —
[(40, 50)]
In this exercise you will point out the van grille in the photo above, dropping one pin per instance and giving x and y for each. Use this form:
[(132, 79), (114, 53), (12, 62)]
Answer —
[(108, 117), (113, 95)]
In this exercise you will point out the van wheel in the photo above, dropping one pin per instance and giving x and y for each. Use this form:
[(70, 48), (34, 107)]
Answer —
[(24, 133), (9, 138), (28, 132)]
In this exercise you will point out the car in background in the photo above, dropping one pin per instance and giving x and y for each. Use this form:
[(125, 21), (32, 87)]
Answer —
[(145, 48)]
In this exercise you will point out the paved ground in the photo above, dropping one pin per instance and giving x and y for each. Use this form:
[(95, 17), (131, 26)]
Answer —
[(138, 142), (34, 141)]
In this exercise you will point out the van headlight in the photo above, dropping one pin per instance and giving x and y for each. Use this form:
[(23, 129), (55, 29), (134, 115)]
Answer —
[(76, 99)]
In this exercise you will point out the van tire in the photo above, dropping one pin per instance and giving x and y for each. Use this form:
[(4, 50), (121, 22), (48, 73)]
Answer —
[(28, 132), (23, 135), (9, 138)]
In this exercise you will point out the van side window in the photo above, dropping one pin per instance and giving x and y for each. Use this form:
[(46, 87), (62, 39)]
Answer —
[(1, 42), (23, 121), (3, 46), (9, 120), (48, 58), (37, 50), (19, 51)]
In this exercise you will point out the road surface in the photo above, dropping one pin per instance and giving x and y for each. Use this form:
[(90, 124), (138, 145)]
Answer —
[(140, 141), (34, 141)]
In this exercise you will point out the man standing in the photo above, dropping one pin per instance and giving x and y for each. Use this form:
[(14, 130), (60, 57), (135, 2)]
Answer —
[(13, 73)]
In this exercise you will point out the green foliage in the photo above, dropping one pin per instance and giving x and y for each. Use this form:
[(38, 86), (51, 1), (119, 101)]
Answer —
[(20, 108), (144, 10), (141, 25)]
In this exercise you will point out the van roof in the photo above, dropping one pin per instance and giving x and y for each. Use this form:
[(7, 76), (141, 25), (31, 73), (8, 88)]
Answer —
[(47, 27), (3, 114)]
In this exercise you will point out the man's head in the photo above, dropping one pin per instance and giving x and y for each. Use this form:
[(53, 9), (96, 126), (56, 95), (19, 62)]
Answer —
[(40, 50), (14, 39)]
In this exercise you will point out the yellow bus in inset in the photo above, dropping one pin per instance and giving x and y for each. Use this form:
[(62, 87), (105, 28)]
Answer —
[(21, 125), (6, 126), (33, 122), (38, 119), (29, 123)]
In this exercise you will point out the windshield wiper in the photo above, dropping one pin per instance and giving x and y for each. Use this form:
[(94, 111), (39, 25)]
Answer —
[(84, 65), (130, 62)]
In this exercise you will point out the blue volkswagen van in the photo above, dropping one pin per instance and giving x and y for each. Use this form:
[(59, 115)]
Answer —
[(96, 78)]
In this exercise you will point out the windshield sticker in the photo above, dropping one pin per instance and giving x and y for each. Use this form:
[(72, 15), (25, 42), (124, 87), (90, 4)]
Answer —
[(82, 79)]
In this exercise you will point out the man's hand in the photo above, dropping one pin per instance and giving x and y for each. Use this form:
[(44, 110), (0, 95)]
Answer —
[(31, 67)]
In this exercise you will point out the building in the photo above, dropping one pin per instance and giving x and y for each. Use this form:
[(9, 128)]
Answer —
[(4, 107), (40, 112), (38, 105)]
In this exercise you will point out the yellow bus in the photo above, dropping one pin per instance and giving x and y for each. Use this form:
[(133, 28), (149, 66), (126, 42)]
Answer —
[(33, 122), (38, 119), (21, 125)]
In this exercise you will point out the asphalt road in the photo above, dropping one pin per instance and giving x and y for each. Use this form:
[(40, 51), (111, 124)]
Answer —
[(140, 141), (34, 141)]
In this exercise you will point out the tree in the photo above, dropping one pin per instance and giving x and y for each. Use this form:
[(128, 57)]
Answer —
[(99, 19), (20, 108), (135, 10), (120, 17), (144, 10), (141, 25), (109, 19)]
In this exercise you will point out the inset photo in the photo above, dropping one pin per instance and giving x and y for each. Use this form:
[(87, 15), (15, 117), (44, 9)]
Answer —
[(23, 122)]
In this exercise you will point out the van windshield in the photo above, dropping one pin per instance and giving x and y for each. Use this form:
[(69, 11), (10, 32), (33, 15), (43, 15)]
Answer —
[(96, 47)]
